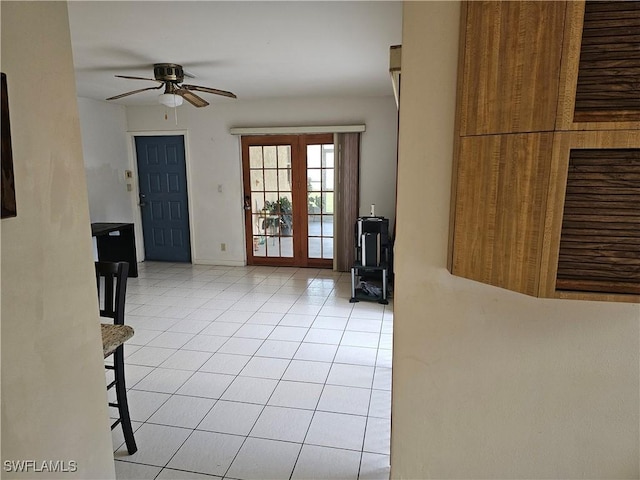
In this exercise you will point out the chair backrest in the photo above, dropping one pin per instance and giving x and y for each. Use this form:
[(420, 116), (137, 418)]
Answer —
[(111, 279)]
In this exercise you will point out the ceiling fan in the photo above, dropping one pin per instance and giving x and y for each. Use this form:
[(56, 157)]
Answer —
[(170, 76)]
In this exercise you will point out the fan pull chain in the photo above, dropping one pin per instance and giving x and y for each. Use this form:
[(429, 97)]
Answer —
[(175, 113)]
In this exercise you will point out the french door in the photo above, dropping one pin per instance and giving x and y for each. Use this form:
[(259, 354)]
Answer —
[(289, 199)]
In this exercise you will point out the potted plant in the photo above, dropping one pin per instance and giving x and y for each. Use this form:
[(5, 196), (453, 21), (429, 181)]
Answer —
[(279, 214), (286, 215)]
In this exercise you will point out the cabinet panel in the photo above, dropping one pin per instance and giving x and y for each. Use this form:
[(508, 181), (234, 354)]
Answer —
[(500, 206), (592, 232), (600, 237), (511, 58), (609, 68), (575, 64)]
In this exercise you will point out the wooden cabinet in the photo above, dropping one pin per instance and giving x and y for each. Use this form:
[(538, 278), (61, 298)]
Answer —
[(546, 192)]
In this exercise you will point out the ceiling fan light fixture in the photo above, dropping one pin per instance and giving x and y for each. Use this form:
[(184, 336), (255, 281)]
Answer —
[(170, 100)]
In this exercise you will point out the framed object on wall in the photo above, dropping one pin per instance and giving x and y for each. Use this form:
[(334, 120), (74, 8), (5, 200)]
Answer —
[(8, 185)]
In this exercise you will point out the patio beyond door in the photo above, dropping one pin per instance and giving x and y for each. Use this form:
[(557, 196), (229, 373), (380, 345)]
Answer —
[(289, 199)]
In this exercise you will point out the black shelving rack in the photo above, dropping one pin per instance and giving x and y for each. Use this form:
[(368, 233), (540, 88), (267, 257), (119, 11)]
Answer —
[(373, 257)]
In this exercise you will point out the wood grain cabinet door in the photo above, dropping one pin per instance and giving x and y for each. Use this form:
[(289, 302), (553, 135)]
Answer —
[(512, 53), (592, 233), (500, 209)]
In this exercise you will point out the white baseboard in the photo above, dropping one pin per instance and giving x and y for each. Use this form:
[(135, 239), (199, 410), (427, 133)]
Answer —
[(224, 263)]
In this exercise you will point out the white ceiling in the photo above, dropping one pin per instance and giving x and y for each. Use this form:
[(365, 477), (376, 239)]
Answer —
[(263, 49)]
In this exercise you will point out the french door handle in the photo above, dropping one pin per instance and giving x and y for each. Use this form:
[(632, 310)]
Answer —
[(247, 202)]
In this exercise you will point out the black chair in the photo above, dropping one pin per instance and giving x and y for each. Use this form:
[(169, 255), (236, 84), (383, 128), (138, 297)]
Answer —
[(111, 279)]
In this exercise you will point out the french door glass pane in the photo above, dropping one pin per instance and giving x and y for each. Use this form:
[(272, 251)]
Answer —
[(314, 180), (257, 181), (270, 197), (270, 157), (286, 247), (258, 225), (314, 203), (271, 180), (273, 246), (314, 156), (327, 180), (327, 202), (327, 156), (327, 225), (315, 247), (255, 157), (284, 156), (327, 247), (284, 179)]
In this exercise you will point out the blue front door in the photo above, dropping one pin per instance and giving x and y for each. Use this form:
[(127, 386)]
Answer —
[(163, 198)]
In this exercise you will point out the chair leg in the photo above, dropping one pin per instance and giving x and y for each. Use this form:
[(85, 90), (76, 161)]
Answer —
[(353, 298), (121, 395)]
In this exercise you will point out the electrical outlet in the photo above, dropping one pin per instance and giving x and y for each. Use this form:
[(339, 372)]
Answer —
[(223, 247)]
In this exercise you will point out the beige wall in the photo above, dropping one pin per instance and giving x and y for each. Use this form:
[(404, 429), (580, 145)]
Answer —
[(53, 395), (106, 158), (488, 383)]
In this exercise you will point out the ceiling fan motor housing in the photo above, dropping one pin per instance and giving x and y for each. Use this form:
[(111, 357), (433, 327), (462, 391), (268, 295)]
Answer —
[(168, 72)]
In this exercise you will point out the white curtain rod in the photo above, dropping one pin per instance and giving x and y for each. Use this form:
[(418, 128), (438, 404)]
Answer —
[(296, 130)]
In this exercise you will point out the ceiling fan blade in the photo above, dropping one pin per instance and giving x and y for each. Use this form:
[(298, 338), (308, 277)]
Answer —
[(137, 78), (215, 91), (191, 97), (135, 91)]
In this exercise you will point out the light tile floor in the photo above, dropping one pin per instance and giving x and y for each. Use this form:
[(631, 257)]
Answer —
[(255, 373)]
